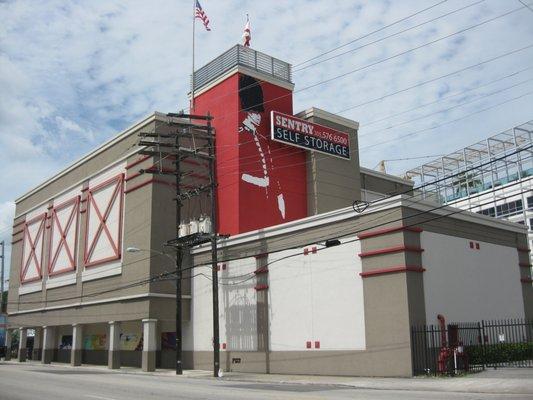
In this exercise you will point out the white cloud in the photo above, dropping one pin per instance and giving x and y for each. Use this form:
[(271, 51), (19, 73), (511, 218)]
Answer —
[(74, 73)]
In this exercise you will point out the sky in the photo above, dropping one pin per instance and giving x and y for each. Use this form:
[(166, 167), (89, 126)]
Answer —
[(75, 73)]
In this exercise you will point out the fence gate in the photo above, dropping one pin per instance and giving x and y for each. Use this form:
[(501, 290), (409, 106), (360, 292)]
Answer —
[(471, 346)]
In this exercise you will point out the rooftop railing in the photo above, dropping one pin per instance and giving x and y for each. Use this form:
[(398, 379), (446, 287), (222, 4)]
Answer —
[(247, 57)]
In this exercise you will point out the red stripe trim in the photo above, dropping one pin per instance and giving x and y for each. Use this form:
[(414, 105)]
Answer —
[(388, 250), (261, 255), (138, 161), (526, 280), (153, 168), (261, 287), (525, 265), (151, 180), (17, 232), (392, 270), (139, 185), (19, 223), (523, 249), (85, 189), (132, 176), (385, 231), (16, 241), (82, 211), (262, 270)]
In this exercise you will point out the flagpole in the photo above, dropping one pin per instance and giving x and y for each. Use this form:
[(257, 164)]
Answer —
[(192, 75)]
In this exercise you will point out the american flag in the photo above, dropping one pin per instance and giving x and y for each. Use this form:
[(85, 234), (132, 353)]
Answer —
[(199, 13), (247, 34)]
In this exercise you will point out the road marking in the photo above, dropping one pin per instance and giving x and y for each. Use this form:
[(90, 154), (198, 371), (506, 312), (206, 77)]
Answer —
[(99, 397)]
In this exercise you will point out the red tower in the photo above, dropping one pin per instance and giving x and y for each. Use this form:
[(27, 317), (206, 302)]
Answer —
[(260, 182)]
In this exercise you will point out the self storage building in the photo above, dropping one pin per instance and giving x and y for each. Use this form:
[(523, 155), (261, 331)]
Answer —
[(312, 279)]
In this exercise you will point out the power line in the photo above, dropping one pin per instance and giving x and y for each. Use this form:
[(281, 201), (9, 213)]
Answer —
[(346, 44), (371, 33), (387, 222), (359, 69), (434, 79), (389, 36), (526, 5), (445, 123), (446, 97), (481, 97), (337, 234)]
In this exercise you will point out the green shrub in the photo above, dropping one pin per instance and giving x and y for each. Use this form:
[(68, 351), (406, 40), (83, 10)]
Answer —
[(499, 353)]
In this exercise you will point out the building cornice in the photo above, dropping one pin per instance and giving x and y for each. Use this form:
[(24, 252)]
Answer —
[(381, 175), (119, 137), (348, 213), (103, 301)]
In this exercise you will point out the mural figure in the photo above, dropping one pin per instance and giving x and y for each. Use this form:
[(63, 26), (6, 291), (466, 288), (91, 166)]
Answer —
[(253, 124)]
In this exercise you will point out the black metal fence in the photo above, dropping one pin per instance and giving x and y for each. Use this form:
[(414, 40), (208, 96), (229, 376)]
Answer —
[(471, 346)]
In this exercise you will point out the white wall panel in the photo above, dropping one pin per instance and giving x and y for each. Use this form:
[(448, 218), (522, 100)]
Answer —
[(317, 297), (200, 328), (237, 308), (238, 305), (466, 284)]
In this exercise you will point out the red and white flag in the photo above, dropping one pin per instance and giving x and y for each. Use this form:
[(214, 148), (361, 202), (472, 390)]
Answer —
[(247, 35), (200, 14)]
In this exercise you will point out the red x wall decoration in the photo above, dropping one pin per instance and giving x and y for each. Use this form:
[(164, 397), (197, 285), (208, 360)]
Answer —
[(103, 238), (32, 249), (64, 237)]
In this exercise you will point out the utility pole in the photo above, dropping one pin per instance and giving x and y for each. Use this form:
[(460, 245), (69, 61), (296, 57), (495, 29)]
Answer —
[(2, 303), (214, 254), (179, 341), (168, 142)]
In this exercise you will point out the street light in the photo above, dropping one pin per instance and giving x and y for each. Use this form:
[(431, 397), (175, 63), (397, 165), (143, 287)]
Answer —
[(133, 249), (177, 261)]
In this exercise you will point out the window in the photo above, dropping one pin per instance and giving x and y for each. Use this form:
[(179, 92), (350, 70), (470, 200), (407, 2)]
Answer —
[(531, 224), (511, 208), (530, 202), (488, 211)]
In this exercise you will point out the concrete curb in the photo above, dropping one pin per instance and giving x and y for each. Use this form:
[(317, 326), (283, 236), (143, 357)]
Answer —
[(476, 384)]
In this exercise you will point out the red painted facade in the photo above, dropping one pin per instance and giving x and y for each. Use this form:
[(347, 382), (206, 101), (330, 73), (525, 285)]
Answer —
[(261, 182)]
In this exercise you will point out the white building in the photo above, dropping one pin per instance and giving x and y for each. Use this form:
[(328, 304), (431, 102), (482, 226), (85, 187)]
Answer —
[(493, 177)]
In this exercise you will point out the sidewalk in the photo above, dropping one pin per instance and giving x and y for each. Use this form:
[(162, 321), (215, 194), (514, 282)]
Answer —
[(509, 381), (501, 381)]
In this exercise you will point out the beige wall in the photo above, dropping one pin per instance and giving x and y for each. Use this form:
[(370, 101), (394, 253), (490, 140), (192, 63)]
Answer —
[(383, 183), (332, 182), (136, 232)]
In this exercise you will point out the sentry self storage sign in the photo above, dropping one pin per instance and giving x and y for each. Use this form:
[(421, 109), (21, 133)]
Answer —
[(301, 133)]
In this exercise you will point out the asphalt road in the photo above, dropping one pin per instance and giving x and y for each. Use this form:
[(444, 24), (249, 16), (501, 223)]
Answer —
[(33, 381)]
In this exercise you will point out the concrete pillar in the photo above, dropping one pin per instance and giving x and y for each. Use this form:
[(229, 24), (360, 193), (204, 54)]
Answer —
[(23, 351), (8, 344), (149, 344), (77, 343), (48, 344), (113, 355), (37, 344)]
